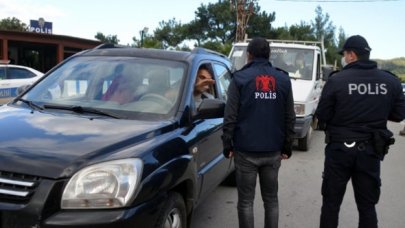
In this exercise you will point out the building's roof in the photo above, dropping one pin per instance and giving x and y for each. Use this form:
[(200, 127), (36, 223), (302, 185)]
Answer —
[(48, 38)]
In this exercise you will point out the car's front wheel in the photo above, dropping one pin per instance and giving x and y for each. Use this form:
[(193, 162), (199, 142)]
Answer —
[(173, 214)]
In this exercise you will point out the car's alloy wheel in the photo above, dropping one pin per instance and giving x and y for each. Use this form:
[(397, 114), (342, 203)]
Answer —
[(173, 219), (173, 214)]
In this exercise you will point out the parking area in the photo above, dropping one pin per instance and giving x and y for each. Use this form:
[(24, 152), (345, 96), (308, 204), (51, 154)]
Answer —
[(300, 199)]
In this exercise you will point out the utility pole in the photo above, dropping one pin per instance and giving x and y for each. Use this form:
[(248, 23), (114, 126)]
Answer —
[(244, 9), (143, 33)]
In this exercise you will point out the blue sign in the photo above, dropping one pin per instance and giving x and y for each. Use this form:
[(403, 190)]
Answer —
[(40, 26), (8, 92)]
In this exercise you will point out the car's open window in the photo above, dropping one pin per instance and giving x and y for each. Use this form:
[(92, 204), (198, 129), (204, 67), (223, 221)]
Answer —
[(203, 88), (223, 79), (136, 86)]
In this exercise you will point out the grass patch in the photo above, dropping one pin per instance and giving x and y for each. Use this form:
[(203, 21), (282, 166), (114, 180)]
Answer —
[(401, 77)]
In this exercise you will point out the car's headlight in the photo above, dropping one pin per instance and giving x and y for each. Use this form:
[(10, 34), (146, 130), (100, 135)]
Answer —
[(299, 109), (105, 185)]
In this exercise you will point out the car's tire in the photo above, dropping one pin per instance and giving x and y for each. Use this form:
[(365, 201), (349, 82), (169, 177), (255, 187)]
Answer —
[(173, 214), (303, 143)]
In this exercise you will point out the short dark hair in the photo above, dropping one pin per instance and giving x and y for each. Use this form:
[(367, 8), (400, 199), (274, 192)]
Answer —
[(363, 56), (207, 68), (203, 67), (258, 47)]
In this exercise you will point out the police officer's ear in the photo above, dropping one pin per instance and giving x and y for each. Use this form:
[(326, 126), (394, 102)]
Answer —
[(351, 56), (249, 57)]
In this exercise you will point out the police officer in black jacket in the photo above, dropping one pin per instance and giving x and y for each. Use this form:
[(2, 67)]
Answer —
[(355, 106), (258, 129)]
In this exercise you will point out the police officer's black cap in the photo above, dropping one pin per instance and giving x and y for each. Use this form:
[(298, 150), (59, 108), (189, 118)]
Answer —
[(357, 44)]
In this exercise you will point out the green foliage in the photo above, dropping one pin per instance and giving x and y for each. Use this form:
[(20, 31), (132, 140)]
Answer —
[(324, 29), (214, 27), (302, 31), (396, 66), (170, 33), (212, 45), (218, 46), (260, 24), (110, 39), (194, 31), (221, 21), (12, 24)]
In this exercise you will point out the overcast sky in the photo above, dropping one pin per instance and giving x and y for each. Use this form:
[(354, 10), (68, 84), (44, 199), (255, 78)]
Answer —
[(380, 22)]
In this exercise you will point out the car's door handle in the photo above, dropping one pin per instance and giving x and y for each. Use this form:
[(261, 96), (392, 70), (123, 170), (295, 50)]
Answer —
[(194, 150)]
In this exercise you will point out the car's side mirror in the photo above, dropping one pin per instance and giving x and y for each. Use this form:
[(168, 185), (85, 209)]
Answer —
[(210, 108), (326, 70)]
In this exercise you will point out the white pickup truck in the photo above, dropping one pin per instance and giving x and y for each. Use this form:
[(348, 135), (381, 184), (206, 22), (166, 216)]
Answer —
[(305, 63)]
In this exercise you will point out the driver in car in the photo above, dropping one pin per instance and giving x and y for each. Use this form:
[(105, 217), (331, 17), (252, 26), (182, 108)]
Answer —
[(122, 90), (203, 84)]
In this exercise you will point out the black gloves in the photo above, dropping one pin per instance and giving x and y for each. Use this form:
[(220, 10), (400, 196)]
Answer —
[(227, 143), (227, 151), (287, 148)]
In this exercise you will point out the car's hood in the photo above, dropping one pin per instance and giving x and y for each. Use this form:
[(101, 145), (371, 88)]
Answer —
[(301, 89), (45, 144)]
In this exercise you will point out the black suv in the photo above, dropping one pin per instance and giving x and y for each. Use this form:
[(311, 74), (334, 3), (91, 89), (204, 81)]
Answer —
[(111, 137)]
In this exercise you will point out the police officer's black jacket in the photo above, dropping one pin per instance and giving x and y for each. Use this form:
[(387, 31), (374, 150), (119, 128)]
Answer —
[(259, 114), (358, 100)]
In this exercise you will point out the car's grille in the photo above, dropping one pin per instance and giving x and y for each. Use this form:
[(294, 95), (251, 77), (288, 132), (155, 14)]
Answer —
[(17, 188)]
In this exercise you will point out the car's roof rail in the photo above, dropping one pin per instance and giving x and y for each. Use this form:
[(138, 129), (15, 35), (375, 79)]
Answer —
[(109, 45), (199, 50)]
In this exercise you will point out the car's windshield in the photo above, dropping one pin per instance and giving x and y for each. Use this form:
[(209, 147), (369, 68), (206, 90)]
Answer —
[(134, 87), (297, 62)]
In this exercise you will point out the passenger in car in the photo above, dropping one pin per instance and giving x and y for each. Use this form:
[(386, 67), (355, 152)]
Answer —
[(203, 85), (123, 89), (301, 68), (158, 81)]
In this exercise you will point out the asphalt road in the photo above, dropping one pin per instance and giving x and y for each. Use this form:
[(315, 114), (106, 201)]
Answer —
[(299, 193)]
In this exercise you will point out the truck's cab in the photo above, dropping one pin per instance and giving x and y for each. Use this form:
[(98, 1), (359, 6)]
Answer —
[(304, 63)]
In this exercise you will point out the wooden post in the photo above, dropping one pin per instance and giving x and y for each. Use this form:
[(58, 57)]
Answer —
[(60, 53), (5, 49)]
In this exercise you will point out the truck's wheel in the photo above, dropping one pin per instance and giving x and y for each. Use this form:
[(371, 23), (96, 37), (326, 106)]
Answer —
[(173, 214), (315, 124), (303, 143)]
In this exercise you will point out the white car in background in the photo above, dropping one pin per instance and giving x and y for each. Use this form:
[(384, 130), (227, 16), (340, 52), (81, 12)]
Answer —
[(14, 76)]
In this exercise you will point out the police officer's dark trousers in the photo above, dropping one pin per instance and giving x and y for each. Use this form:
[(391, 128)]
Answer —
[(248, 166), (360, 164)]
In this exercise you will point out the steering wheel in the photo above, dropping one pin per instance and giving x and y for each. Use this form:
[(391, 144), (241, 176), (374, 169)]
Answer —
[(156, 98)]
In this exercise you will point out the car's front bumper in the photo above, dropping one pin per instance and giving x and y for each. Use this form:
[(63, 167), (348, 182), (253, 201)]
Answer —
[(43, 211), (302, 125)]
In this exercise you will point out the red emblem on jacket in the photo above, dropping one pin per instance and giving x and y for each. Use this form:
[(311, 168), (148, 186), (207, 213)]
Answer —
[(265, 83)]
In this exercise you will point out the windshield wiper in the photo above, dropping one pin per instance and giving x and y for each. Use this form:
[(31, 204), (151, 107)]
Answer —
[(81, 109), (30, 104)]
